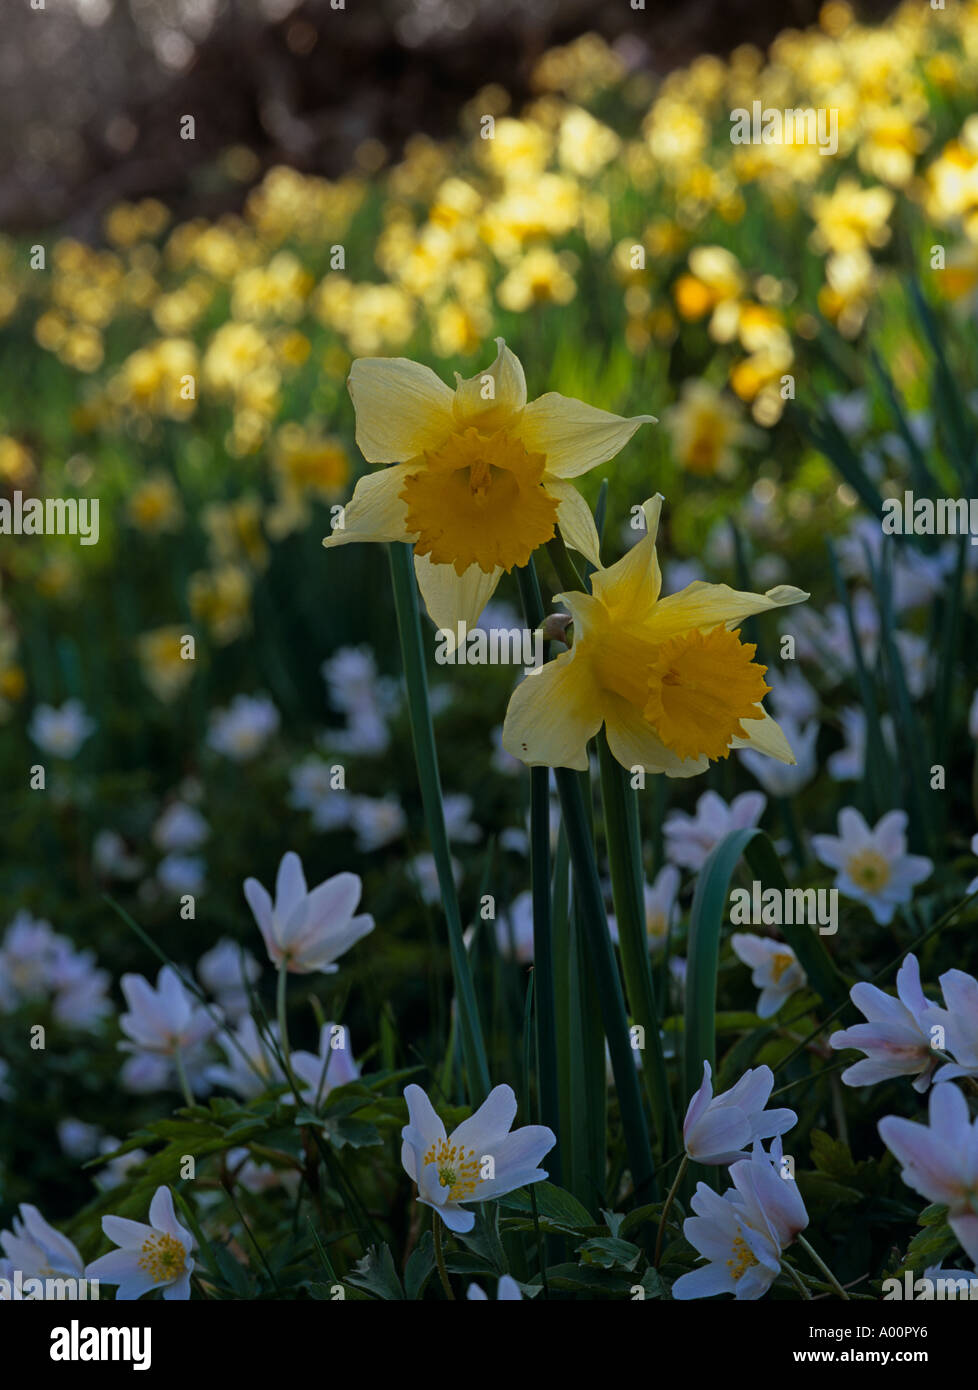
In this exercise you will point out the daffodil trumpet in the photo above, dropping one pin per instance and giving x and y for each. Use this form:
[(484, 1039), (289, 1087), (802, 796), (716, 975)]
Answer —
[(669, 679), (478, 477)]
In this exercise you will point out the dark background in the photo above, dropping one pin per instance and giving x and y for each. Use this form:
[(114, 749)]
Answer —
[(92, 91)]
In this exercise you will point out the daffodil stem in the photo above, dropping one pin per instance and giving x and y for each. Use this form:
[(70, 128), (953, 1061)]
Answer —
[(181, 1070), (544, 987), (607, 980), (623, 843), (426, 759), (566, 569), (667, 1206), (440, 1258), (817, 1260), (595, 923)]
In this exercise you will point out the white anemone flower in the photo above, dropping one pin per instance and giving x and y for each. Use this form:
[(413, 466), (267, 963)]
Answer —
[(940, 1159), (960, 1023), (896, 1036), (480, 1160), (306, 931), (775, 970), (164, 1019), (252, 1066), (718, 1129), (38, 1250), (743, 1233), (334, 1065), (691, 839), (872, 866), (157, 1256), (60, 731)]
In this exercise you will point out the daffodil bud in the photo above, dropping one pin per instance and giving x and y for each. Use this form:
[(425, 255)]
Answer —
[(554, 628)]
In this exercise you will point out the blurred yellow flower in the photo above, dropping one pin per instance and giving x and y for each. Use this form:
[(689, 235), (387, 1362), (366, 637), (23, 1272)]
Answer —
[(851, 217), (221, 598), (584, 145), (16, 464), (154, 505), (235, 531), (164, 662), (705, 427), (160, 379), (541, 277)]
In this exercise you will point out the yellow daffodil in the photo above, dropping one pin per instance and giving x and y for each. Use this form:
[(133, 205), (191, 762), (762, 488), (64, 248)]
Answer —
[(670, 679), (480, 478), (706, 427)]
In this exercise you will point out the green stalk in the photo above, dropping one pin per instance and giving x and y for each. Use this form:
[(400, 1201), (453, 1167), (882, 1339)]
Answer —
[(594, 921), (426, 757), (667, 1206), (543, 953), (605, 969), (563, 564), (589, 1075), (817, 1260), (181, 1070), (569, 1022), (440, 1257), (281, 1012), (624, 858)]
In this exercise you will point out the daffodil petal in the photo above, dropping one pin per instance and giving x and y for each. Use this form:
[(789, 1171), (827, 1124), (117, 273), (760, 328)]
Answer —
[(632, 584), (402, 408), (574, 519), (375, 512), (553, 714), (702, 605), (766, 736), (451, 598), (574, 436), (473, 407), (634, 743)]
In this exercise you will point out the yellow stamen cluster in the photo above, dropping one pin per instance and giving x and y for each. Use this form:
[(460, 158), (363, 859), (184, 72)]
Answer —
[(869, 869), (700, 686), (742, 1259), (458, 1170), (479, 500), (779, 964), (163, 1257)]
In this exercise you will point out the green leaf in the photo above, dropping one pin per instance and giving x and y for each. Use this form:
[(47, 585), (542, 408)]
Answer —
[(553, 1203), (609, 1253), (832, 1156), (931, 1246), (376, 1273), (420, 1267), (708, 914)]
